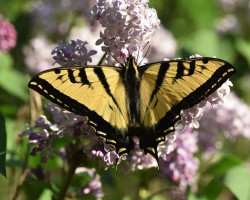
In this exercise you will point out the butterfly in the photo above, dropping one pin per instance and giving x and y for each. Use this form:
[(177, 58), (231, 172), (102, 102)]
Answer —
[(133, 101)]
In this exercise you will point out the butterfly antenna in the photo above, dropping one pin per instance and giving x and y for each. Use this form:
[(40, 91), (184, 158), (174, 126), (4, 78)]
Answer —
[(147, 44), (115, 58), (137, 57), (102, 59), (145, 53)]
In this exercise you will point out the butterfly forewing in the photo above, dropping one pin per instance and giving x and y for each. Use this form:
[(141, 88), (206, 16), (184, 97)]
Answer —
[(93, 91)]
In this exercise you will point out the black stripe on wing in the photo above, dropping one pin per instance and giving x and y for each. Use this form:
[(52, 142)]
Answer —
[(64, 101), (160, 78), (99, 72), (83, 76)]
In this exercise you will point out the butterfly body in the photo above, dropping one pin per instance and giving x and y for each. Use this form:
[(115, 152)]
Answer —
[(133, 101)]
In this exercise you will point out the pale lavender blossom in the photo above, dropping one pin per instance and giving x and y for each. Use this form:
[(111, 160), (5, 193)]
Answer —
[(167, 147), (94, 188), (8, 35), (104, 152), (230, 5), (73, 53), (37, 54), (181, 166), (40, 141), (138, 160), (162, 36), (228, 24), (59, 14), (66, 125), (128, 26), (231, 119)]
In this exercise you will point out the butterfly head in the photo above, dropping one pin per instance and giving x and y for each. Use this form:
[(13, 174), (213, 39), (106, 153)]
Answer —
[(131, 67)]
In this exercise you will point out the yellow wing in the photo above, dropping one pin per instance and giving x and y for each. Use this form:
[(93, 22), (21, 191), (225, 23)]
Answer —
[(171, 86), (97, 92)]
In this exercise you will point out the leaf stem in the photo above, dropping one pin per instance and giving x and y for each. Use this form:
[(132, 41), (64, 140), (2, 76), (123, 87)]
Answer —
[(71, 172)]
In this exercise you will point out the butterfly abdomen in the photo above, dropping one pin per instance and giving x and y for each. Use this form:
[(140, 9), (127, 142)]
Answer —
[(132, 82)]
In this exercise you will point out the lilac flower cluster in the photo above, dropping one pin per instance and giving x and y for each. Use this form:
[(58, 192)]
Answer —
[(228, 24), (8, 35), (67, 125), (73, 53), (128, 26), (138, 160), (192, 115), (58, 13), (38, 54), (233, 121), (94, 187), (181, 166), (232, 22), (230, 5)]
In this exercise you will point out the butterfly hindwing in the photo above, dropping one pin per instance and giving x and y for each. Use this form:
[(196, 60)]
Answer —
[(170, 86), (93, 91)]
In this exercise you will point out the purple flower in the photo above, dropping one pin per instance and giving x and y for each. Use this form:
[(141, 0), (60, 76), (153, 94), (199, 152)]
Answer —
[(73, 53), (230, 5), (8, 35), (94, 187), (162, 36), (38, 54), (167, 147), (228, 24), (57, 13), (180, 165), (138, 160), (128, 27), (101, 150), (72, 127), (232, 118)]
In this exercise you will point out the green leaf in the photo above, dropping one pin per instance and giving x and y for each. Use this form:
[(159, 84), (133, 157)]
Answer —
[(238, 182), (46, 194), (192, 196), (244, 48), (207, 43), (15, 83), (6, 61), (34, 188), (12, 80), (201, 9), (213, 189), (2, 145), (223, 165), (81, 179)]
